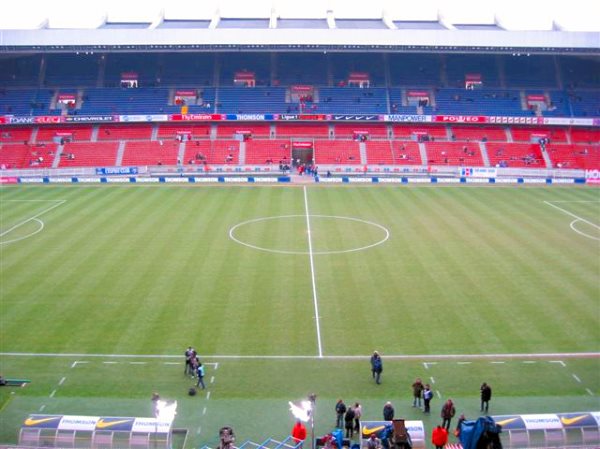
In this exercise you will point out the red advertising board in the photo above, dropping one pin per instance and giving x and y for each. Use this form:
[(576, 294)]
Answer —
[(9, 180), (460, 118), (195, 117)]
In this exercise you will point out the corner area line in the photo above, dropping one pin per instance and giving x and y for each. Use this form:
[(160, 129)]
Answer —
[(312, 273), (48, 209)]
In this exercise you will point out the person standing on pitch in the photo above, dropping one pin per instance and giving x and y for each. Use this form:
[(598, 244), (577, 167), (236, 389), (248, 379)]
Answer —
[(340, 411), (376, 367), (417, 388), (447, 414), (388, 411), (486, 395), (200, 372), (427, 395)]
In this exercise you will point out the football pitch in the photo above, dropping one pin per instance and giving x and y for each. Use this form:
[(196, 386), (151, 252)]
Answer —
[(287, 290)]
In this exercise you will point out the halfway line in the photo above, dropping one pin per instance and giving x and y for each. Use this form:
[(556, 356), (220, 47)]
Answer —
[(312, 274)]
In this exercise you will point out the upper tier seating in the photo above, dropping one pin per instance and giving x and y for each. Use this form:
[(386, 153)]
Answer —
[(89, 154), (20, 71), (252, 100), (515, 155), (407, 69), (480, 102), (350, 100), (124, 101), (530, 71), (344, 152), (71, 70), (453, 153), (25, 101), (150, 153), (458, 66), (124, 132)]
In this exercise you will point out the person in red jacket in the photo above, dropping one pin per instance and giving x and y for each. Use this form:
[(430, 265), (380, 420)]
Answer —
[(299, 432), (439, 437)]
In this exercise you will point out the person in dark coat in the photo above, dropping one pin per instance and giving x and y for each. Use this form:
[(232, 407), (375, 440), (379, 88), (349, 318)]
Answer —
[(376, 367), (486, 395), (448, 412), (349, 421), (388, 411), (340, 411)]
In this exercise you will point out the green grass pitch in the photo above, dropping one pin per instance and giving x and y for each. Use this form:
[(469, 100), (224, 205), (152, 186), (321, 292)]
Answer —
[(281, 305)]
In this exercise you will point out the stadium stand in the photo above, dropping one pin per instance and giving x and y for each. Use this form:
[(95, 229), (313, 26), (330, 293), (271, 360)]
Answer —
[(56, 133), (515, 155), (478, 133), (302, 130), (267, 152), (453, 153), (18, 155), (124, 132), (344, 152), (150, 153), (89, 154)]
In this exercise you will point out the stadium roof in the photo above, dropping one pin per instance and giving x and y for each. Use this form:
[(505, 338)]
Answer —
[(389, 25)]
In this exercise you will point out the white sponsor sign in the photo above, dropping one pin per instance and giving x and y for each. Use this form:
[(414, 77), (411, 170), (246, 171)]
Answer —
[(534, 180), (330, 180), (147, 180), (547, 421), (176, 180), (477, 180), (506, 180), (235, 179), (150, 425), (563, 181), (359, 180), (415, 429), (78, 423), (203, 179), (117, 180), (420, 180), (391, 180), (59, 180), (31, 180), (448, 180), (265, 179), (88, 179)]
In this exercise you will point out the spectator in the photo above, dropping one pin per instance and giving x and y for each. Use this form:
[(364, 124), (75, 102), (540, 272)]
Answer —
[(417, 388), (439, 437), (486, 395), (340, 411), (388, 411), (448, 412), (299, 432)]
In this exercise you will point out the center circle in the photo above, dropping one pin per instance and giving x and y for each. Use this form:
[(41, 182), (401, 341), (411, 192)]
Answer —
[(297, 230)]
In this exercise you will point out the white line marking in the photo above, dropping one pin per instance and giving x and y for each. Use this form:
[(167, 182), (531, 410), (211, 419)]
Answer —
[(208, 395), (42, 407), (59, 203), (576, 378), (529, 361), (199, 430), (173, 363), (137, 363), (74, 364), (439, 395), (486, 356), (40, 229), (560, 362), (498, 363), (110, 363), (463, 363), (204, 411), (577, 218), (590, 392), (62, 381), (312, 274), (572, 226), (426, 364), (53, 393), (216, 366), (212, 379), (432, 380)]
